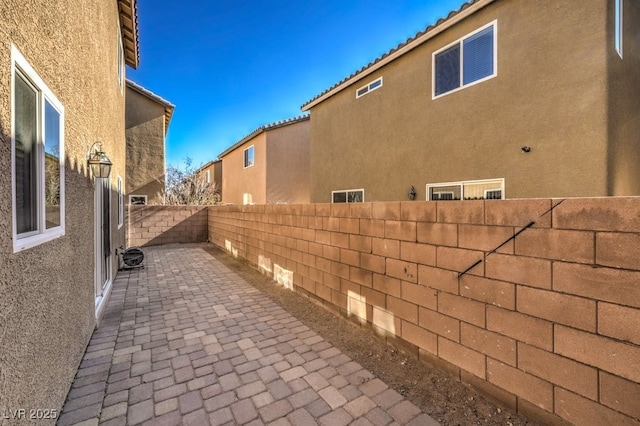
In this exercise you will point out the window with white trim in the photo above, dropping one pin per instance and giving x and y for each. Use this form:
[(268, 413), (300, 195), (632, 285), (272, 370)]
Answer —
[(138, 200), (489, 189), (37, 143), (121, 62), (248, 157), (619, 5), (467, 61), (207, 176), (348, 196), (375, 84), (120, 203)]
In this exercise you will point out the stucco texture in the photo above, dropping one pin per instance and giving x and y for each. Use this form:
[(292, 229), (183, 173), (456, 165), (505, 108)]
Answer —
[(280, 174), (550, 93), (47, 292), (145, 130)]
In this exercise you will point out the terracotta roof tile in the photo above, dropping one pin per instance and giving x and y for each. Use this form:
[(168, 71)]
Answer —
[(426, 32), (261, 129)]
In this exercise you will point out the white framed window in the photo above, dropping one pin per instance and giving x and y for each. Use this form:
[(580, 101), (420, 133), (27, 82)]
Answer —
[(467, 61), (138, 200), (619, 16), (488, 189), (120, 203), (375, 84), (348, 196), (121, 62), (207, 176), (37, 158), (248, 157)]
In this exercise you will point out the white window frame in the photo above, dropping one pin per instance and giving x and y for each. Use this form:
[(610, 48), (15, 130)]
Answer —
[(245, 158), (486, 192), (207, 176), (460, 41), (138, 196), (346, 192), (619, 25), (444, 192), (120, 203), (41, 235), (370, 87), (121, 61), (462, 184)]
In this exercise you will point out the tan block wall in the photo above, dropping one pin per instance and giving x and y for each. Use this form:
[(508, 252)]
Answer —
[(47, 311), (546, 321), (155, 225)]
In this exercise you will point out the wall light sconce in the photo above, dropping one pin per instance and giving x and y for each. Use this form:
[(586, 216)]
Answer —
[(412, 193), (526, 149), (98, 161)]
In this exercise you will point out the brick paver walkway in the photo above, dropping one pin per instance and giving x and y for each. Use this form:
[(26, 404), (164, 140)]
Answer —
[(187, 341)]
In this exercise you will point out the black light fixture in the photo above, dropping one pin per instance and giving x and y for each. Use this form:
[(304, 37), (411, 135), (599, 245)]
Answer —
[(412, 193), (98, 161), (526, 149)]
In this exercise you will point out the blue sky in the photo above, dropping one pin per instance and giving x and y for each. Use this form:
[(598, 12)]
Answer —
[(232, 66)]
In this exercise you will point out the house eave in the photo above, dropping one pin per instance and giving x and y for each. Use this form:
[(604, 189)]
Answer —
[(453, 19), (261, 129), (168, 106), (129, 29)]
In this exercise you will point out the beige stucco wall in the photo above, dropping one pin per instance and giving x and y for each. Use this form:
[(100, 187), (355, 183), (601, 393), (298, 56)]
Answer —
[(47, 292), (288, 164), (215, 173), (624, 103), (145, 124), (238, 180), (549, 94)]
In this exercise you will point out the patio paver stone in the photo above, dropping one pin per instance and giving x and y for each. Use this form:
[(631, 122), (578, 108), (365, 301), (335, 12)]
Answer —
[(185, 340)]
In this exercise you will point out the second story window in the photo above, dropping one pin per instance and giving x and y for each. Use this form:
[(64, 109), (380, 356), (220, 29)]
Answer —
[(207, 176), (618, 26), (121, 70), (375, 84), (467, 61), (248, 157)]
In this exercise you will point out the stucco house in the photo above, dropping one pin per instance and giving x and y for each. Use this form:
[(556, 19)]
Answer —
[(62, 103), (268, 166), (147, 122), (500, 99), (211, 174)]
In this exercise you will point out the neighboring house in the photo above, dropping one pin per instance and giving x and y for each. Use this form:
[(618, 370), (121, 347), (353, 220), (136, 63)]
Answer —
[(500, 99), (211, 174), (270, 165), (62, 71), (147, 122)]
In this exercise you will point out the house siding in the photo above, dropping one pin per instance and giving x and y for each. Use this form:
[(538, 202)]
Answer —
[(145, 130), (238, 180), (288, 164), (47, 309), (549, 94)]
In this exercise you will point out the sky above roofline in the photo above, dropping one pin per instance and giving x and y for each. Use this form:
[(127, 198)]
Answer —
[(230, 67)]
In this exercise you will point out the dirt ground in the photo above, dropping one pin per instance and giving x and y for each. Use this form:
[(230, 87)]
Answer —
[(436, 392)]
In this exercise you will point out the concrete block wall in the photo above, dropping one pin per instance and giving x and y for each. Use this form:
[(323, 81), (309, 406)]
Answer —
[(546, 317), (154, 225)]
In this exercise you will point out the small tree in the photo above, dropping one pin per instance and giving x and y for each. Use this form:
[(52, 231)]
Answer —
[(184, 187)]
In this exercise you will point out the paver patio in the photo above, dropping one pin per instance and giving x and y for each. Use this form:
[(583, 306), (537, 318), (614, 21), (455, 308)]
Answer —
[(185, 340)]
